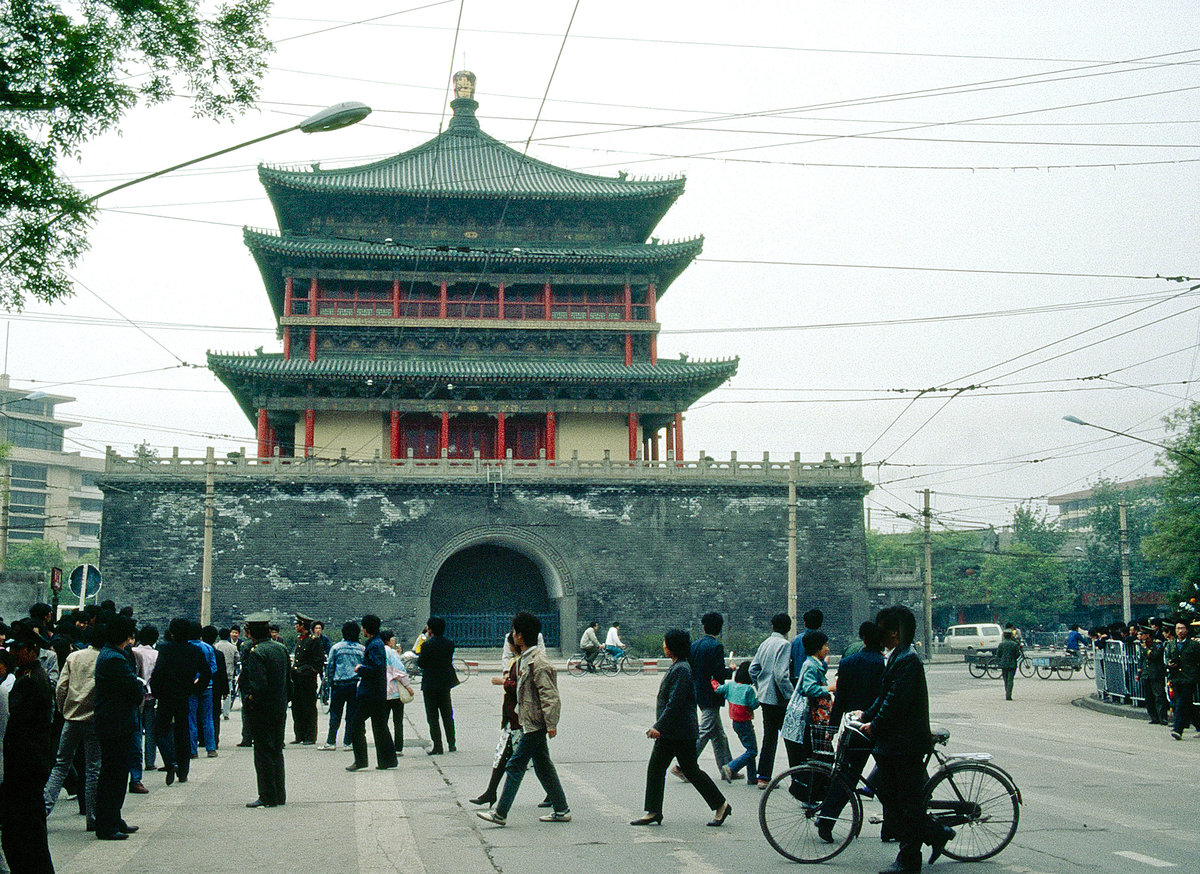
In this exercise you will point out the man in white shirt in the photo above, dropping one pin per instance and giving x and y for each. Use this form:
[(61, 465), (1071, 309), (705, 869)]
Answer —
[(612, 643), (770, 670)]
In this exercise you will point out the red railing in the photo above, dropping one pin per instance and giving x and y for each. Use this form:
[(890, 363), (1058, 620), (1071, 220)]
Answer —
[(454, 309)]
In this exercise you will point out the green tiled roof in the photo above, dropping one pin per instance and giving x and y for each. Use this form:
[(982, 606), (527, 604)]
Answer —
[(510, 370), (463, 161), (527, 255)]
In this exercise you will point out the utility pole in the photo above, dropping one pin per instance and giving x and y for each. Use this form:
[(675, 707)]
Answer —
[(792, 594), (1126, 592), (5, 482), (206, 559), (928, 623)]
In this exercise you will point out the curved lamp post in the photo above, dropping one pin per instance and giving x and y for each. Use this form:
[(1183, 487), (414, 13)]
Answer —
[(1075, 420)]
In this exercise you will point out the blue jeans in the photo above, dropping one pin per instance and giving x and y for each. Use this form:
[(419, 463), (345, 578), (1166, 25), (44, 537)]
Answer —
[(615, 651), (745, 733), (200, 717), (73, 734), (135, 751), (532, 745), (341, 695)]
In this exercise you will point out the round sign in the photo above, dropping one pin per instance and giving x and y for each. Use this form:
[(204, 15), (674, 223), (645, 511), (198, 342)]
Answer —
[(85, 571)]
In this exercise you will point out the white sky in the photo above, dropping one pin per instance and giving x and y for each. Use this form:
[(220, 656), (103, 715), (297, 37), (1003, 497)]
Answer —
[(1090, 167)]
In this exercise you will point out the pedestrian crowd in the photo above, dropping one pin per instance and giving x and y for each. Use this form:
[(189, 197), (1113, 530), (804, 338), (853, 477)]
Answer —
[(91, 701)]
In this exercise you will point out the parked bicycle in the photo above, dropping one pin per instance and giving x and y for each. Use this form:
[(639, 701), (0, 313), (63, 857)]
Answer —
[(603, 663), (462, 668), (811, 813)]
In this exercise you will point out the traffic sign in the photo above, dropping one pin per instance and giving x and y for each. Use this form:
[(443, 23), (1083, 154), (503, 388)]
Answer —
[(76, 581), (56, 579)]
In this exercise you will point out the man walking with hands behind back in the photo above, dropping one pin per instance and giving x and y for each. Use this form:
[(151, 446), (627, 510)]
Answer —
[(1008, 654), (898, 722), (266, 686), (437, 679)]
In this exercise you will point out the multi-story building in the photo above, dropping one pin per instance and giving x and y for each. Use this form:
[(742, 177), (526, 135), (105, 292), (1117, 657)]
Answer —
[(1075, 507), (52, 493)]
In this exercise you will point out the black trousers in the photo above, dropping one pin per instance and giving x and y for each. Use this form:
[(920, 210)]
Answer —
[(437, 703), (395, 708), (385, 750), (1156, 700), (901, 789), (772, 715), (175, 738), (1008, 674), (835, 801), (1185, 707), (682, 750), (23, 817), (304, 707), (115, 753), (266, 731)]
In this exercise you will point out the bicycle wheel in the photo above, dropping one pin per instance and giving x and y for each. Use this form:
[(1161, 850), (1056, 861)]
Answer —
[(609, 665), (993, 670), (1089, 667), (630, 665), (789, 813), (1044, 672), (462, 670), (1025, 666), (977, 669), (576, 666), (1065, 672), (980, 803)]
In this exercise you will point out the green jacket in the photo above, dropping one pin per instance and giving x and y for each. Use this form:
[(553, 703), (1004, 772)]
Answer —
[(266, 681), (1183, 661), (1008, 653)]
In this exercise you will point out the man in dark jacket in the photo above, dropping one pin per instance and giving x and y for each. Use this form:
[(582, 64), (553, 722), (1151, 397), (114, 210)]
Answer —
[(437, 679), (1153, 674), (898, 722), (1008, 654), (119, 694), (180, 672), (28, 755), (1183, 668), (707, 660), (307, 665), (266, 685), (371, 698)]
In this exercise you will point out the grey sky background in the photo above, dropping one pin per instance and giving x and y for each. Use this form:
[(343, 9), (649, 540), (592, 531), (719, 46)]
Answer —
[(894, 197)]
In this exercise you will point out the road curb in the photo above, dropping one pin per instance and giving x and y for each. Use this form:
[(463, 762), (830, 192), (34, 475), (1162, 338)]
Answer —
[(1091, 702)]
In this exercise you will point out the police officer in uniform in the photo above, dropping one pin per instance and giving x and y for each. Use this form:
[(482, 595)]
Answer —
[(266, 686), (307, 666), (28, 755)]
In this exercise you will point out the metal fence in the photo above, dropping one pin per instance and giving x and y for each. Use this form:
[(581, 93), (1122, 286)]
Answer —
[(1116, 675), (489, 629)]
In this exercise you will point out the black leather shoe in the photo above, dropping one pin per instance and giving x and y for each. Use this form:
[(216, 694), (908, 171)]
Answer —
[(115, 836), (433, 752), (940, 844), (720, 815), (484, 799), (355, 767), (170, 775), (897, 868), (648, 819), (258, 802), (126, 828)]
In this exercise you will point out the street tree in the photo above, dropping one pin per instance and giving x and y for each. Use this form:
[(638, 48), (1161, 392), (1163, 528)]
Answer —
[(1025, 586), (1174, 544), (69, 72)]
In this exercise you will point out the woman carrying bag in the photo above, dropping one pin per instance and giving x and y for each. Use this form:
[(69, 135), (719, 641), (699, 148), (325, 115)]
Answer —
[(811, 702), (399, 688), (675, 731)]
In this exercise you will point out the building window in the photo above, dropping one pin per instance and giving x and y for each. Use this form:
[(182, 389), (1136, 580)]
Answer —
[(34, 435), (90, 505), (88, 480), (88, 529), (27, 502), (27, 476)]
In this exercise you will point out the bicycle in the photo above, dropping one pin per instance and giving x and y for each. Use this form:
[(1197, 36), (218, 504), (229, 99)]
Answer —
[(462, 668), (603, 663), (967, 792)]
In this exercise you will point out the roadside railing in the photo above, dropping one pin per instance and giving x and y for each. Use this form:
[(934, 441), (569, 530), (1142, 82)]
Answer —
[(1117, 675)]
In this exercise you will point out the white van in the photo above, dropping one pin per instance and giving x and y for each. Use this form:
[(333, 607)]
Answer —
[(969, 638)]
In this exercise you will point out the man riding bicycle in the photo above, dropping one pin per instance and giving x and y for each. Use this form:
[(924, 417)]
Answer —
[(613, 643), (590, 645)]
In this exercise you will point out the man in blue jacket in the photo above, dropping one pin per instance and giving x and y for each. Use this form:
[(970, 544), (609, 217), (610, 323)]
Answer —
[(372, 703), (898, 722), (707, 661)]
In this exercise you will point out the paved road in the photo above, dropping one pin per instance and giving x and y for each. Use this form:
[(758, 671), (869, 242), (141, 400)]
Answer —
[(1101, 794)]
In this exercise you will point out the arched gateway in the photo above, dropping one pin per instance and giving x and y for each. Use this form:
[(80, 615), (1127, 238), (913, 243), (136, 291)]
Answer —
[(479, 578)]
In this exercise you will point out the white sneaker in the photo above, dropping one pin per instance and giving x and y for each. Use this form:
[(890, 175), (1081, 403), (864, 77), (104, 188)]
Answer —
[(495, 818), (347, 747), (565, 816), (726, 774), (324, 747)]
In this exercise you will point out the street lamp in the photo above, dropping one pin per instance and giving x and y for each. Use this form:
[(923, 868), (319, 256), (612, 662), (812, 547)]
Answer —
[(1075, 420)]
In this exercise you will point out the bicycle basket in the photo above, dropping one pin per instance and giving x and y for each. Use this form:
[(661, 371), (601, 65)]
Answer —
[(822, 736)]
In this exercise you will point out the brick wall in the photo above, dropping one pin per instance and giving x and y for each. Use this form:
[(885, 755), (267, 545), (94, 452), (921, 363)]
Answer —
[(654, 554)]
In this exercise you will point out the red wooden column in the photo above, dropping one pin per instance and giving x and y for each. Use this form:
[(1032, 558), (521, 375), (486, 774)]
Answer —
[(500, 301), (628, 318), (310, 426), (312, 311), (394, 436), (443, 295), (670, 438), (550, 435), (263, 433), (272, 441), (287, 311), (633, 436), (500, 447), (679, 436), (395, 298), (444, 434), (546, 301), (650, 302), (654, 447)]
